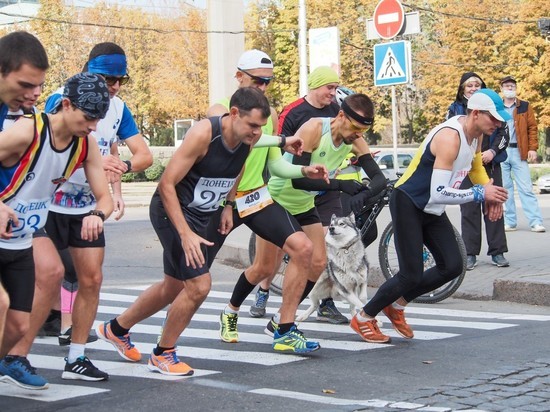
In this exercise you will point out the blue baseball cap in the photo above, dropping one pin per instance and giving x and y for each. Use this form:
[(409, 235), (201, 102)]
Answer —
[(488, 100)]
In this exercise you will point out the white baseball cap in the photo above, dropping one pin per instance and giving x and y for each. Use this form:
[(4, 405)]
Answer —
[(254, 59), (488, 100)]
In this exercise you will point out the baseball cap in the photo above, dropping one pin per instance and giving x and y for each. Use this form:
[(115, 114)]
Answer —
[(254, 59), (508, 79), (488, 100), (88, 92)]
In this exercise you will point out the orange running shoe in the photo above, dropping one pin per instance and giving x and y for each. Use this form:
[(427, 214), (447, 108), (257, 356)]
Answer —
[(168, 363), (122, 344), (369, 331), (397, 318)]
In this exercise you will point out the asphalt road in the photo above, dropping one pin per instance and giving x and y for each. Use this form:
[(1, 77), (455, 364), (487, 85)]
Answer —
[(466, 355)]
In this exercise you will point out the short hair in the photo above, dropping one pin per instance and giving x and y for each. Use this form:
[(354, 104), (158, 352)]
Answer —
[(247, 98), (19, 48), (360, 102), (102, 49)]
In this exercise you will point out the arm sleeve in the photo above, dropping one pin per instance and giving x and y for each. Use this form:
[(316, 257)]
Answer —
[(371, 168), (311, 184), (267, 140), (442, 193), (278, 166), (478, 174), (500, 140)]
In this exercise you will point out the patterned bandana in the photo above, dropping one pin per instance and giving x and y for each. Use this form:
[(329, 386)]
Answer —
[(89, 93)]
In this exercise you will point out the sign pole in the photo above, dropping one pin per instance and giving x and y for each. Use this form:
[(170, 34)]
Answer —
[(394, 128)]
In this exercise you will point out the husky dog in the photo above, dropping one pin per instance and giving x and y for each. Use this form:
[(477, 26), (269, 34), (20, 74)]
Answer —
[(347, 267)]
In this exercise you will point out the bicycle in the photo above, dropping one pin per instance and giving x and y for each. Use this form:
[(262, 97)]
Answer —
[(386, 250)]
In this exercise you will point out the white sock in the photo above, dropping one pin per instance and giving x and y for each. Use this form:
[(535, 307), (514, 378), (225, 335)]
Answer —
[(398, 306), (363, 318), (228, 310), (277, 317), (75, 350)]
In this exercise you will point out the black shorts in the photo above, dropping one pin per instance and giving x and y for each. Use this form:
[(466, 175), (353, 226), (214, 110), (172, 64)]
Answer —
[(328, 204), (272, 223), (65, 230), (173, 256), (308, 218), (17, 277), (40, 233)]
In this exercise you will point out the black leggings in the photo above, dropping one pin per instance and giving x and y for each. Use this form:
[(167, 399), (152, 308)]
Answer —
[(414, 228)]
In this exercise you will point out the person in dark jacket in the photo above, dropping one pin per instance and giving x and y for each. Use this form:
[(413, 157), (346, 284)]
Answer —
[(493, 152)]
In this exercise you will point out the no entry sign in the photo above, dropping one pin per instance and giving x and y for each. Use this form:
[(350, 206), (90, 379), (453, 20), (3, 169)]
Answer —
[(388, 18)]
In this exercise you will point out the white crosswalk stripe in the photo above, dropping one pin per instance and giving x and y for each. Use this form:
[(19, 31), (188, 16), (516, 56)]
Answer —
[(428, 322)]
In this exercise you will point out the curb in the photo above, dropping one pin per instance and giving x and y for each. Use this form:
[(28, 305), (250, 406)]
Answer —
[(531, 293)]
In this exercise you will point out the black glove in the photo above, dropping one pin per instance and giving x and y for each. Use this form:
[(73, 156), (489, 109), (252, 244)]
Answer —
[(359, 200), (351, 187)]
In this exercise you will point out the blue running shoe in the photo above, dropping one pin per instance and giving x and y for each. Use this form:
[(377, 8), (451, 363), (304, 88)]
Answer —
[(18, 371), (293, 341)]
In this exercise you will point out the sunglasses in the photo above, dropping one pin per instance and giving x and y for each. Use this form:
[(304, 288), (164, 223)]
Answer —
[(356, 128), (259, 80), (112, 80)]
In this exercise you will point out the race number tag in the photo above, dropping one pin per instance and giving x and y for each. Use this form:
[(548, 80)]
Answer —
[(209, 192), (252, 201)]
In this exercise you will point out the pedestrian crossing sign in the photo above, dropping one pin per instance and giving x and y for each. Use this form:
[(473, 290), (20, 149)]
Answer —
[(392, 63)]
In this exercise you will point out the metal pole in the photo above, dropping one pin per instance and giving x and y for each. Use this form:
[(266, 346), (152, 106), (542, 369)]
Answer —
[(302, 46), (394, 128)]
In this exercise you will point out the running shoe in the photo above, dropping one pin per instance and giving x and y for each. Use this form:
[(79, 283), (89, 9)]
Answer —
[(18, 371), (271, 327), (329, 313), (65, 337), (122, 344), (293, 341), (168, 363), (257, 310), (397, 318), (228, 327), (84, 370), (369, 331)]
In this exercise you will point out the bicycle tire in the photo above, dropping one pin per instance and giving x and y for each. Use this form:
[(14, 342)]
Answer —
[(388, 264), (276, 285)]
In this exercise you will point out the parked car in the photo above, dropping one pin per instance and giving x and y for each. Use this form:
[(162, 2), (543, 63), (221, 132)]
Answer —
[(385, 161), (543, 183)]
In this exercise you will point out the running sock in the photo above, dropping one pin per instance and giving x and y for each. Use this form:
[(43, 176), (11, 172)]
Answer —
[(324, 301), (117, 329), (54, 314), (159, 350), (263, 290), (398, 306), (75, 350), (228, 310), (309, 286), (242, 289), (284, 328), (362, 318), (277, 318)]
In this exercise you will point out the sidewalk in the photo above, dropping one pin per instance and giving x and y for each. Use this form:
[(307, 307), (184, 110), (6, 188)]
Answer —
[(527, 280)]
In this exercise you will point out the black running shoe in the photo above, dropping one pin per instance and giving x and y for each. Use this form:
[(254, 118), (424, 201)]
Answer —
[(83, 369), (65, 337)]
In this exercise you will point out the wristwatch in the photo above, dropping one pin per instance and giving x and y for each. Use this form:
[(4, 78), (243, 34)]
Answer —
[(129, 164), (231, 203), (97, 213)]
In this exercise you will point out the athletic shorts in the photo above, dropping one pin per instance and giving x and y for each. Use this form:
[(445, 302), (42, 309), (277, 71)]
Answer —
[(40, 233), (65, 230), (17, 277), (328, 204), (272, 223), (308, 218), (173, 256)]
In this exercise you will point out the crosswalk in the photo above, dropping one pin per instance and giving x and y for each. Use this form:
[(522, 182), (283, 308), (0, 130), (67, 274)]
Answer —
[(201, 340)]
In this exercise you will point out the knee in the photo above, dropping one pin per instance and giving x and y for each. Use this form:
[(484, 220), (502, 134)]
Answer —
[(317, 267), (48, 273), (199, 291), (90, 282), (302, 250)]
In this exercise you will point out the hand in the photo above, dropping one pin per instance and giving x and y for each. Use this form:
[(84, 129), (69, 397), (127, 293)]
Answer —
[(226, 220), (8, 220), (294, 145), (487, 156), (119, 206), (92, 226), (359, 200), (532, 156), (113, 164), (493, 211), (495, 193), (316, 172), (351, 187), (191, 245)]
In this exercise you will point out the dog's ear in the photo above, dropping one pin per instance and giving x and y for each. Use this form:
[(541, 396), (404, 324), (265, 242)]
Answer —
[(351, 216)]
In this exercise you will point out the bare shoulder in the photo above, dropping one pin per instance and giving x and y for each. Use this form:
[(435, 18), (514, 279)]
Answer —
[(216, 109)]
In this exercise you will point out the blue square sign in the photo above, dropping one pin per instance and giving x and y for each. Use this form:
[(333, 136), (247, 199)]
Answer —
[(392, 63)]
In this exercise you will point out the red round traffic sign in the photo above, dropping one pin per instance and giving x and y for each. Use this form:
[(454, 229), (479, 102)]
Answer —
[(388, 18)]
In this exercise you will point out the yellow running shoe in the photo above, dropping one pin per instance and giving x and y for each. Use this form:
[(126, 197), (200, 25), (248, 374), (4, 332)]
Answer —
[(228, 327)]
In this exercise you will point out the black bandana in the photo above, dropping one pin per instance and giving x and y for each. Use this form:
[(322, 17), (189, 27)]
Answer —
[(89, 93), (367, 121)]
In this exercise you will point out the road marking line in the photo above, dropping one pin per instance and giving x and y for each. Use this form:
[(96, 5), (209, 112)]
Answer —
[(53, 394)]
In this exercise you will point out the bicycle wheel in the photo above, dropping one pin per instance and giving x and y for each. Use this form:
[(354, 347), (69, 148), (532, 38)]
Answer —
[(277, 283), (389, 265)]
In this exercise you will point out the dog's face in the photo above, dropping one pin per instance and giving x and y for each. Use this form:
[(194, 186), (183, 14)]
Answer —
[(342, 231)]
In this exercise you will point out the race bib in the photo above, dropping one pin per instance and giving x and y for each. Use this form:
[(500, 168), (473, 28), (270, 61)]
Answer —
[(253, 200), (209, 192), (32, 216)]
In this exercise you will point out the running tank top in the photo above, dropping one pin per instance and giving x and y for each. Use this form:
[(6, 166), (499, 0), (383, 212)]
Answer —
[(27, 187), (299, 201), (207, 183), (416, 181)]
